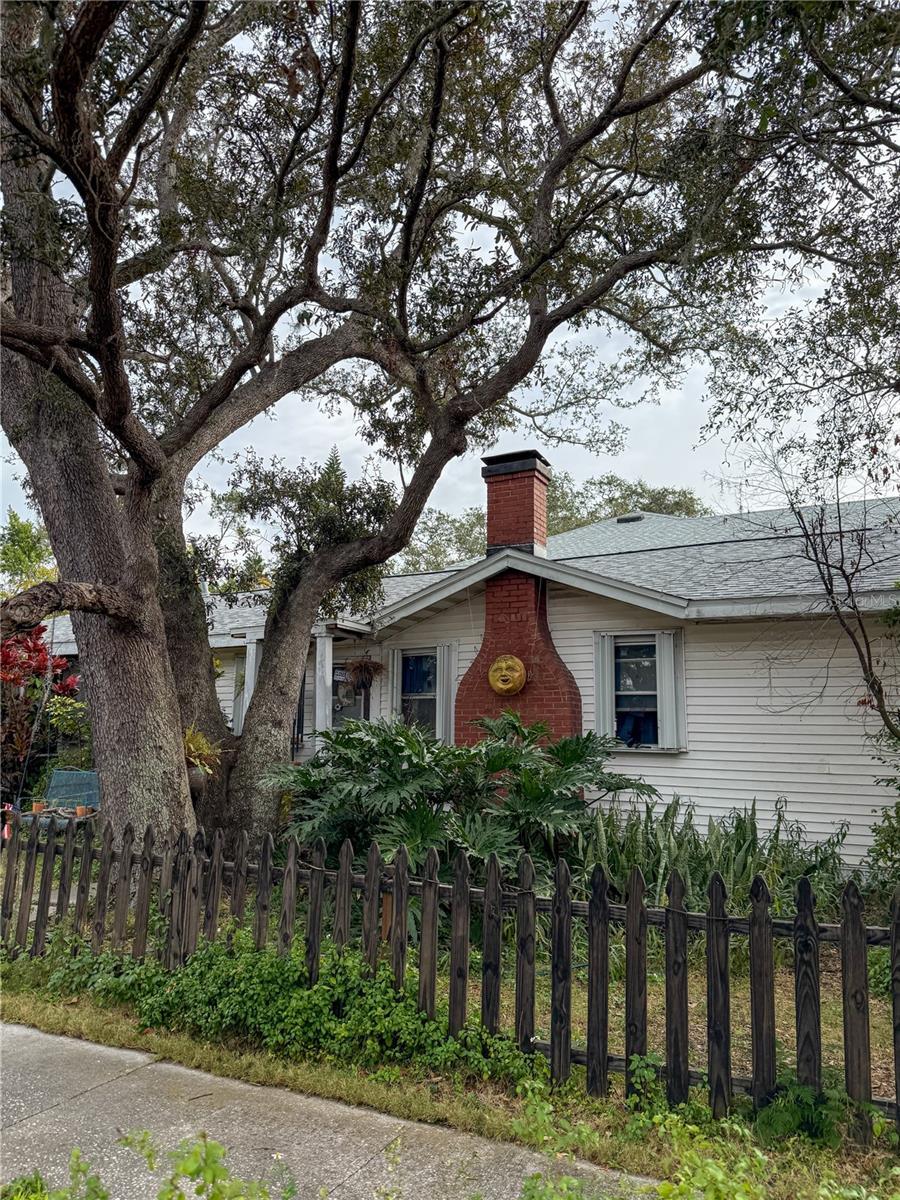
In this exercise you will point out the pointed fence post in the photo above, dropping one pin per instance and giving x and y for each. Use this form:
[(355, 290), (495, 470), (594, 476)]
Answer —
[(12, 872), (525, 923), (598, 985), (343, 895), (173, 954), (855, 977), (142, 900), (314, 912), (718, 999), (459, 943), (677, 1037), (492, 933), (288, 899), (194, 894), (428, 936), (101, 896), (762, 993), (42, 915), (372, 907), (66, 870), (806, 989), (28, 872), (123, 887), (635, 974), (263, 892), (400, 918), (561, 976), (239, 877), (214, 887), (85, 869)]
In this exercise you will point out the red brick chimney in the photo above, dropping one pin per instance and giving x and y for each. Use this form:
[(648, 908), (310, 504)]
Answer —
[(515, 608), (516, 501)]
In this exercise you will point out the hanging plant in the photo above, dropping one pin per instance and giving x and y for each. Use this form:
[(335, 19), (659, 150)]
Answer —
[(362, 671)]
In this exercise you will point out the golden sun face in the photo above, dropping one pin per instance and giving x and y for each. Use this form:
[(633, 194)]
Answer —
[(506, 675)]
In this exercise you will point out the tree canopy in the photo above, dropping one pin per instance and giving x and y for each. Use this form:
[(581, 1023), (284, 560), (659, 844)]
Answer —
[(450, 219)]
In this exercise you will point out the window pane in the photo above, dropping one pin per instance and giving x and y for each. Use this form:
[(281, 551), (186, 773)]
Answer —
[(636, 667), (419, 674), (638, 726), (420, 710)]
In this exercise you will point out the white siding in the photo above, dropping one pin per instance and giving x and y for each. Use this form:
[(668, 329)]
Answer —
[(231, 666)]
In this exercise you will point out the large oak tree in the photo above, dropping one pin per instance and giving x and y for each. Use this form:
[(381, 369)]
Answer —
[(427, 211)]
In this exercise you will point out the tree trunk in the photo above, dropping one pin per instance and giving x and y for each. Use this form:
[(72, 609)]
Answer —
[(266, 734)]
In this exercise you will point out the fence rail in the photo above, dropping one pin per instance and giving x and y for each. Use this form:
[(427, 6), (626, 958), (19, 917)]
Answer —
[(190, 880)]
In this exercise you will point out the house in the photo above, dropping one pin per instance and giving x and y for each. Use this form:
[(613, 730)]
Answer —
[(704, 644)]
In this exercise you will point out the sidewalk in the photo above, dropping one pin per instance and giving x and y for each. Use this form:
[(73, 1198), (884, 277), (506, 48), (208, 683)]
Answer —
[(58, 1093)]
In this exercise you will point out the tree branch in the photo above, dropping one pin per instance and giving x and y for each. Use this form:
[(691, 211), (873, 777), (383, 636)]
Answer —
[(22, 612)]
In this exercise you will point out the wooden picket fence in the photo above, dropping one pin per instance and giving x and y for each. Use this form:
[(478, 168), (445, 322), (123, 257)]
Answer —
[(189, 881)]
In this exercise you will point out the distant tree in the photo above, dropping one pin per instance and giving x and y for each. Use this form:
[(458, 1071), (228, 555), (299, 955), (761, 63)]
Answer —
[(25, 555), (441, 538)]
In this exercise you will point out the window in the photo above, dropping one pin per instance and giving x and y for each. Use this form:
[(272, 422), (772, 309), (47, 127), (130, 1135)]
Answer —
[(347, 704), (640, 690), (418, 688), (636, 701)]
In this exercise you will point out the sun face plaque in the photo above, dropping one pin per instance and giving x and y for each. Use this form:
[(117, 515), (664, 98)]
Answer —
[(506, 675)]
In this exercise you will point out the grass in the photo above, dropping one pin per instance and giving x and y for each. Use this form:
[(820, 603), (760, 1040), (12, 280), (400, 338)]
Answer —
[(795, 1169)]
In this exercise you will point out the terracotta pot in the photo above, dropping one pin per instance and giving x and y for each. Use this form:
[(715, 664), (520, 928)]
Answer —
[(38, 805), (82, 810)]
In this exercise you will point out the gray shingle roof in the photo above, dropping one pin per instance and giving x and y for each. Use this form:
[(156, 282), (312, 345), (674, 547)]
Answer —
[(735, 556)]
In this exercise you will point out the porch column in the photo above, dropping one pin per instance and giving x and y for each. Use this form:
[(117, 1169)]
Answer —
[(324, 673), (251, 666)]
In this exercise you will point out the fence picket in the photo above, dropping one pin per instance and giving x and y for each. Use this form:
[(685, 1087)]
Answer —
[(12, 871), (176, 901), (214, 887), (288, 899), (635, 974), (66, 867), (239, 877), (123, 888), (263, 892), (194, 894), (142, 899), (718, 999), (677, 1041), (561, 976), (44, 891), (762, 993), (895, 997), (492, 935), (343, 895), (372, 907), (164, 899), (525, 922), (428, 935), (28, 870), (598, 985), (459, 942), (400, 917), (314, 914), (806, 989), (85, 870), (101, 895), (854, 970)]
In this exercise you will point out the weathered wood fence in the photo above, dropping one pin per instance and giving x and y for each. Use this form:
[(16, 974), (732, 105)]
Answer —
[(188, 883)]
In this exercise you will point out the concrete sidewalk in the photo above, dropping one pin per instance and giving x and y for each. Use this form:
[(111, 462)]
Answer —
[(58, 1093)]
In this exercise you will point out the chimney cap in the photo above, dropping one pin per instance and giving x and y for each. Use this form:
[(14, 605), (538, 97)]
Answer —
[(513, 462)]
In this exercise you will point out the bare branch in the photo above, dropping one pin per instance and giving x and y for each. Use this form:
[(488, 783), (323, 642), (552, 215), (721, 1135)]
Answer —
[(22, 612)]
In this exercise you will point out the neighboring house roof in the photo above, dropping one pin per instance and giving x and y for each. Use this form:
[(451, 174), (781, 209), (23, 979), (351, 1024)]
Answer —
[(737, 565)]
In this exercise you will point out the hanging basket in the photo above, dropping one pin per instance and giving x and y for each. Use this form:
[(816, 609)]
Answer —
[(362, 671)]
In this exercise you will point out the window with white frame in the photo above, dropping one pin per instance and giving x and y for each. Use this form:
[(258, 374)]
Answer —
[(423, 687), (640, 692)]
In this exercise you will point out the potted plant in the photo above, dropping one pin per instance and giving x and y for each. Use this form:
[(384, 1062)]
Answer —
[(363, 671), (202, 757)]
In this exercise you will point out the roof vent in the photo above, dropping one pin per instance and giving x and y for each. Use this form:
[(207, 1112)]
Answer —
[(629, 518)]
